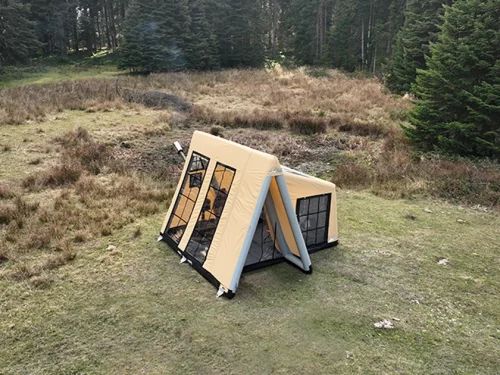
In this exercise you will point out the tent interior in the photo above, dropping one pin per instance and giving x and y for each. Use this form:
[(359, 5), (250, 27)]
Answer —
[(263, 250)]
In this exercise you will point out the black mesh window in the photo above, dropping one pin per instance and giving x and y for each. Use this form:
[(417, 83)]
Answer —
[(313, 214), (211, 211), (187, 197)]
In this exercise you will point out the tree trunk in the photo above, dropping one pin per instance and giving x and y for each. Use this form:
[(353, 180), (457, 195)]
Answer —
[(106, 24), (362, 42), (112, 25)]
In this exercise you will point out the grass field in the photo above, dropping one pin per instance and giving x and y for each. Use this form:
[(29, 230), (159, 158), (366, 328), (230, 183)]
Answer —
[(88, 172), (49, 71)]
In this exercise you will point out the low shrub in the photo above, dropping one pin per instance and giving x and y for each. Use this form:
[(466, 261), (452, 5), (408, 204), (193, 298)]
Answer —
[(58, 260), (7, 214), (353, 175), (6, 192), (22, 272), (363, 128), (74, 138), (261, 120), (258, 120), (318, 73), (36, 161), (307, 125), (137, 232), (56, 176), (397, 172), (16, 211), (80, 147), (41, 237), (42, 281), (217, 131), (4, 256)]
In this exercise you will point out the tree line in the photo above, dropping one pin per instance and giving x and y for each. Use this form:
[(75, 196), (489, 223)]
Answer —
[(346, 34), (38, 28), (444, 52)]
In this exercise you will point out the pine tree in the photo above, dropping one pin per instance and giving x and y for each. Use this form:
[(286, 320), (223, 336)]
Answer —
[(458, 108), (131, 53), (362, 33), (240, 33), (17, 38), (422, 19), (344, 51), (308, 23), (201, 48), (49, 18), (153, 40)]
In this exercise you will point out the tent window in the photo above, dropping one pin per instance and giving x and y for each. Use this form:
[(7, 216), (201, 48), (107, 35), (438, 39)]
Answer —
[(187, 197), (211, 211), (313, 213)]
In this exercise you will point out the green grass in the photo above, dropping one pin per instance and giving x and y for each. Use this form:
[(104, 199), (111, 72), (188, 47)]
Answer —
[(141, 311), (54, 70), (137, 310)]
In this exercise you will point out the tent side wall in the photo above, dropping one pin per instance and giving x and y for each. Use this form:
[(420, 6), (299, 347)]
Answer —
[(303, 186), (237, 218)]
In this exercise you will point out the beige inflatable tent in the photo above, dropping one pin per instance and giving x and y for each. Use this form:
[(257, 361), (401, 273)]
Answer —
[(237, 209)]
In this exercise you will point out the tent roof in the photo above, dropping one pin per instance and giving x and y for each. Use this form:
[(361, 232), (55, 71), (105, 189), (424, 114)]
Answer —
[(237, 156)]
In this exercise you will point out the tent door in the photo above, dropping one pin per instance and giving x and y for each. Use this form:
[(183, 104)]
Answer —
[(263, 250)]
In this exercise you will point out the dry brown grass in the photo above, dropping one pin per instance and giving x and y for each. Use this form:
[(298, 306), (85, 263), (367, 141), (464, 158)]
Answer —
[(80, 153), (6, 191), (36, 272), (15, 212), (20, 104), (88, 204), (80, 147), (218, 131), (398, 172), (351, 102), (34, 102), (90, 208), (308, 125), (56, 176), (261, 120)]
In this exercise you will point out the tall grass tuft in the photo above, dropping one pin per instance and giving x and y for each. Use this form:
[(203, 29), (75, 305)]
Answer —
[(307, 125)]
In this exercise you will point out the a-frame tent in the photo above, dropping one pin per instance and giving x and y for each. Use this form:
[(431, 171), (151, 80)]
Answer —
[(236, 208)]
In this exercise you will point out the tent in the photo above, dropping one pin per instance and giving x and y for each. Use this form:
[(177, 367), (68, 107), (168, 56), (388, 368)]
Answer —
[(236, 209)]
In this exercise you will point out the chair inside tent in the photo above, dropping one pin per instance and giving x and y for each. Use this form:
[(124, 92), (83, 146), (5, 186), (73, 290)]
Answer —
[(237, 209)]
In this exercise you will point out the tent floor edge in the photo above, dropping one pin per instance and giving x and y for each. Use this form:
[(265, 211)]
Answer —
[(270, 262), (229, 294), (211, 278), (309, 272), (196, 265), (328, 245)]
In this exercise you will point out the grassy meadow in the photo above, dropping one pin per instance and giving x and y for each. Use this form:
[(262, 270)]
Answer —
[(87, 163), (50, 70)]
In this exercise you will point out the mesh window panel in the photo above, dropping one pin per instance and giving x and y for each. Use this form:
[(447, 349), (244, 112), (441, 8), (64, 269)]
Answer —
[(213, 206), (187, 197), (312, 214), (262, 248)]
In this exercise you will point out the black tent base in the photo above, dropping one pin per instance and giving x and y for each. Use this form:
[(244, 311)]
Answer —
[(213, 280), (257, 266), (196, 265)]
